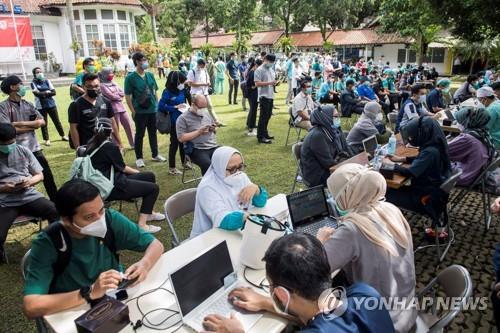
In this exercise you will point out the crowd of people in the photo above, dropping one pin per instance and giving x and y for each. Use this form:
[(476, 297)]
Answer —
[(373, 244)]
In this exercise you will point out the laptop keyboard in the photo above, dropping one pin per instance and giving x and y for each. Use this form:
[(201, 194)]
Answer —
[(221, 306), (314, 227)]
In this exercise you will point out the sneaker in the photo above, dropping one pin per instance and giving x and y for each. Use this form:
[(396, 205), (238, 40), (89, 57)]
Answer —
[(151, 228), (140, 163), (188, 166), (159, 158), (174, 171), (252, 133), (156, 217), (47, 143), (65, 138)]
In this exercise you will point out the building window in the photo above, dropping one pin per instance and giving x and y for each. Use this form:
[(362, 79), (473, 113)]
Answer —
[(122, 16), (437, 55), (76, 15), (401, 56), (107, 14), (110, 36), (92, 34), (79, 38), (131, 17), (90, 14), (132, 29), (39, 42), (124, 37), (412, 57)]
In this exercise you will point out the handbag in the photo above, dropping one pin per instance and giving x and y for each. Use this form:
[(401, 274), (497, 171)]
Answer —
[(144, 99), (163, 122), (107, 316)]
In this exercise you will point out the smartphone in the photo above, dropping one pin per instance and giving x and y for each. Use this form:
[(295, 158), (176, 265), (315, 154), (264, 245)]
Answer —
[(32, 117), (125, 283)]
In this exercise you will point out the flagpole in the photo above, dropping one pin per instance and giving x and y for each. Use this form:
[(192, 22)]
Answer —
[(17, 38)]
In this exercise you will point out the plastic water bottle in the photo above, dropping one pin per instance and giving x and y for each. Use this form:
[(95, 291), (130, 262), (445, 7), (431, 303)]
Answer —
[(391, 146)]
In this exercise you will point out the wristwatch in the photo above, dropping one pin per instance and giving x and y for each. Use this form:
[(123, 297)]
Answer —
[(85, 293)]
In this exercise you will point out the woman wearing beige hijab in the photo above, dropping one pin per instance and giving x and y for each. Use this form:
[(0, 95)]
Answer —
[(373, 242)]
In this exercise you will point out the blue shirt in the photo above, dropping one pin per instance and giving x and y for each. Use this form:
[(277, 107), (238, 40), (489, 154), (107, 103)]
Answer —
[(289, 68), (167, 102), (366, 91), (355, 320), (324, 90), (242, 68), (435, 99), (232, 69), (496, 262)]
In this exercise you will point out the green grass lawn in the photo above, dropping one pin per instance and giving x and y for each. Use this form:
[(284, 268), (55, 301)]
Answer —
[(268, 165)]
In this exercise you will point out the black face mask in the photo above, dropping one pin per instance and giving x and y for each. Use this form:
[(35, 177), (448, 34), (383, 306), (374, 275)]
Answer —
[(93, 93)]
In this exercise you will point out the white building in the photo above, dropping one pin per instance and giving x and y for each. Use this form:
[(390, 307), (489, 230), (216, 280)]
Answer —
[(109, 21)]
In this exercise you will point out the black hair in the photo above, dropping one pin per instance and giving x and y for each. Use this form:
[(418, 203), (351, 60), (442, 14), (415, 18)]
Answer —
[(89, 77), (415, 89), (173, 80), (304, 80), (7, 132), (87, 61), (471, 78), (250, 62), (219, 58), (34, 70), (258, 62), (298, 262), (350, 82), (72, 195), (138, 56), (232, 54), (341, 75), (201, 62), (9, 81), (270, 57), (495, 86), (243, 56), (317, 73), (263, 54)]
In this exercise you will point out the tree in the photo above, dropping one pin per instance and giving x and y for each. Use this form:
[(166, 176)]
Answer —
[(411, 18), (72, 28), (153, 8), (242, 18), (288, 11), (286, 44)]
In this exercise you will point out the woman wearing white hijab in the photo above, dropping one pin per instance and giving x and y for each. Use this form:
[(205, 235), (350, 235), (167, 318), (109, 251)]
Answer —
[(373, 242), (224, 192)]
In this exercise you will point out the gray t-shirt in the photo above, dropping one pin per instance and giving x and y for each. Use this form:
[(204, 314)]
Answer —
[(264, 74), (189, 122), (15, 167), (363, 261), (24, 111)]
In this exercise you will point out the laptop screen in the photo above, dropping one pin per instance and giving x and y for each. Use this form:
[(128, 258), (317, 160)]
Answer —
[(307, 206), (370, 145), (202, 277)]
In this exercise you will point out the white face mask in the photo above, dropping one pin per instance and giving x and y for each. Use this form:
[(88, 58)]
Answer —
[(379, 117), (201, 112), (180, 86), (235, 180), (280, 310), (95, 229), (422, 99)]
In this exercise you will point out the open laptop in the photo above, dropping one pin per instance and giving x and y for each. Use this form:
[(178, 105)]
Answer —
[(370, 145), (201, 287), (309, 211), (450, 116)]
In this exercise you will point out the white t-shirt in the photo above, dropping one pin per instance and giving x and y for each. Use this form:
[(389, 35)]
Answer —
[(130, 66), (199, 76)]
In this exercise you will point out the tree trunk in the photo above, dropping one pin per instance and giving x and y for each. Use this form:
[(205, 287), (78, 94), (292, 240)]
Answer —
[(420, 49), (206, 27), (153, 26), (71, 22)]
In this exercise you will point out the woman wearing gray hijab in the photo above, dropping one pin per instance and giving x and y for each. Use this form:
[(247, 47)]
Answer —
[(369, 123)]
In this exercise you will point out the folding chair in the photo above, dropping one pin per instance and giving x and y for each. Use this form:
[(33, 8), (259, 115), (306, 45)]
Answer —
[(185, 170), (446, 187), (454, 282), (40, 324), (296, 151), (20, 221), (291, 124), (176, 206), (478, 186)]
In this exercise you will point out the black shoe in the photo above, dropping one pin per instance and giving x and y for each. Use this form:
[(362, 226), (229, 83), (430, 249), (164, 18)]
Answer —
[(266, 141), (269, 137)]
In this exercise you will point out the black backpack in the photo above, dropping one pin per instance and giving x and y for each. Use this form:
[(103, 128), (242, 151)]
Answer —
[(62, 243)]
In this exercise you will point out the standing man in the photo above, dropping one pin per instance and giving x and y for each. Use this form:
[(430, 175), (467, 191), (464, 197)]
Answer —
[(220, 67), (84, 111), (199, 81), (141, 95), (265, 81), (76, 88), (211, 71), (289, 78), (159, 66), (242, 69), (26, 119), (232, 75)]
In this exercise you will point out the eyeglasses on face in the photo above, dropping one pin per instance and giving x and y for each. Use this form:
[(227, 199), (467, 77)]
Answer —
[(235, 169)]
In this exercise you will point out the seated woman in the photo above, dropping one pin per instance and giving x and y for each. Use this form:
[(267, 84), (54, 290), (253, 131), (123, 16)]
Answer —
[(370, 123), (224, 193), (473, 148), (324, 146), (373, 243), (428, 170), (129, 183)]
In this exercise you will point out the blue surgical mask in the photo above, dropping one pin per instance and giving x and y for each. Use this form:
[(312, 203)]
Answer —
[(336, 122), (309, 91), (7, 149), (145, 65)]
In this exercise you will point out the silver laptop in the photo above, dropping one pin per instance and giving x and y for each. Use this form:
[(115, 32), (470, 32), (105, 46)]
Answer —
[(201, 287), (370, 145), (309, 211)]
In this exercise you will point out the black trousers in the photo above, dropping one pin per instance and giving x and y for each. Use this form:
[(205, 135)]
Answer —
[(253, 103), (233, 90), (48, 178), (52, 112), (202, 158), (41, 207), (142, 122), (386, 107), (174, 146), (495, 302), (140, 185), (266, 110)]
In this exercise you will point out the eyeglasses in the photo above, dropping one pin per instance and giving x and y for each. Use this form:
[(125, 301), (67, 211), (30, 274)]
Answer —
[(235, 169)]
